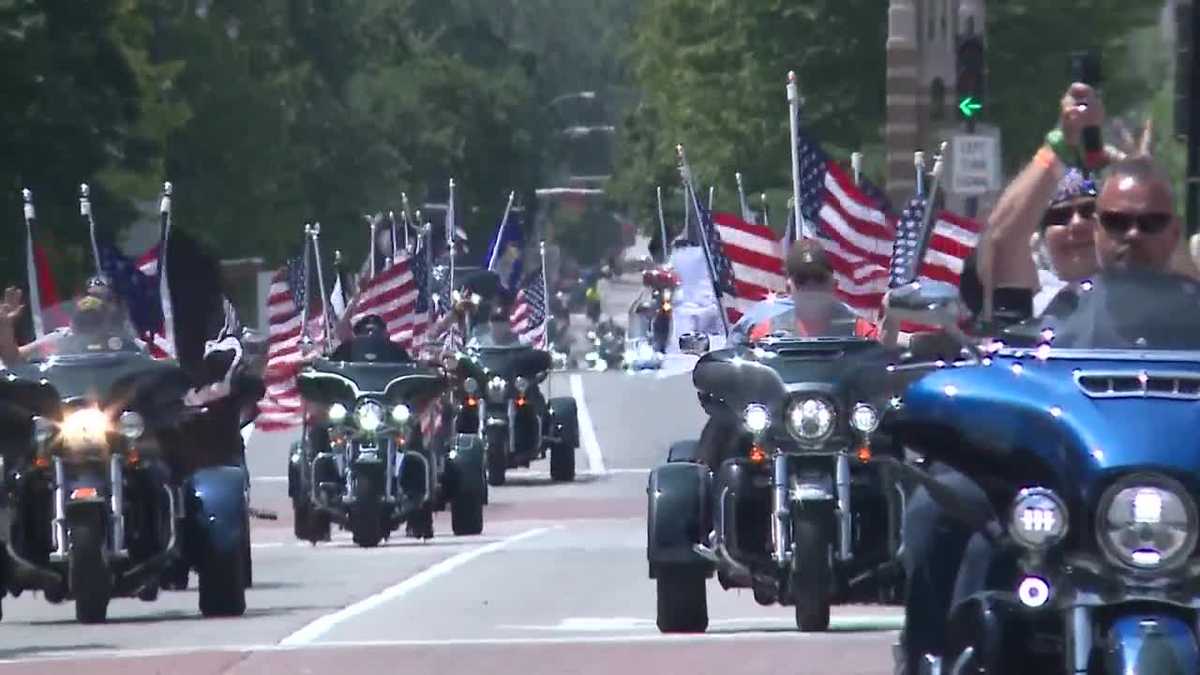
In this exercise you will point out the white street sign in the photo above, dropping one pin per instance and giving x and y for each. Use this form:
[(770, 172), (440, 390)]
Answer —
[(974, 164)]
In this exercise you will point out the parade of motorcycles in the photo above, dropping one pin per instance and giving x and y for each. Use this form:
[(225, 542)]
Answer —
[(646, 336)]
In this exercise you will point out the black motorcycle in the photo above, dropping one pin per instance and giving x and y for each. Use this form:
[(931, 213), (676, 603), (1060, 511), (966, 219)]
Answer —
[(368, 466), (503, 405), (91, 506), (793, 512), (607, 346)]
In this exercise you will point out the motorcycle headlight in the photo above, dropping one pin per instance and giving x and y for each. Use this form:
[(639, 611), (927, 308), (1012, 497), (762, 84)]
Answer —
[(401, 414), (757, 418), (471, 385), (43, 429), (1038, 519), (666, 294), (1147, 523), (84, 427), (369, 416), (864, 418), (522, 384), (811, 420), (496, 389), (337, 413), (132, 425)]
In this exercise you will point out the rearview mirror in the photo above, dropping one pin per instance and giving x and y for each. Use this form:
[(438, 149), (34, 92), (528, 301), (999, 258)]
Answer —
[(693, 343), (933, 303)]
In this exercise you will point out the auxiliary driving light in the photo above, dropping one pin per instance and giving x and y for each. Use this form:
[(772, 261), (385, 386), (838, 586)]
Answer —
[(1033, 592), (337, 413)]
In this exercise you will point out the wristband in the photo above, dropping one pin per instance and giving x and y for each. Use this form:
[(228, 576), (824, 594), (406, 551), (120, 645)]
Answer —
[(1057, 142)]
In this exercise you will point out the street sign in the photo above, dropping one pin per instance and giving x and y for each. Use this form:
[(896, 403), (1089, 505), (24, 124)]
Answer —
[(969, 107), (974, 164)]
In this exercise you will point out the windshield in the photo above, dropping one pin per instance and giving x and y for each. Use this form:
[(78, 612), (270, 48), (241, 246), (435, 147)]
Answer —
[(493, 333), (89, 324), (802, 315)]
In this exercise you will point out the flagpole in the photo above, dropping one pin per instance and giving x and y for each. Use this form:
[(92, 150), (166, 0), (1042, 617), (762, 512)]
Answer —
[(919, 165), (315, 234), (762, 198), (545, 296), (742, 196), (856, 159), (164, 283), (370, 247), (793, 97), (338, 286), (450, 234), (408, 221), (85, 210), (690, 193), (500, 233), (712, 193), (662, 223), (395, 240), (306, 265), (926, 231), (35, 294), (687, 216)]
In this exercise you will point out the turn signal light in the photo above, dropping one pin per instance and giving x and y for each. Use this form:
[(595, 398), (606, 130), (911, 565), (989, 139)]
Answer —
[(83, 493), (133, 457), (666, 306), (42, 462), (520, 400), (864, 454), (757, 454), (471, 401)]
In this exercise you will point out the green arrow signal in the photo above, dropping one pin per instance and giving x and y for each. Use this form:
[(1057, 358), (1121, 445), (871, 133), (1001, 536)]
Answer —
[(969, 106)]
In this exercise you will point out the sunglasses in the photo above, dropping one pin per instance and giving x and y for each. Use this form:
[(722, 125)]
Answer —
[(1062, 215), (1117, 222)]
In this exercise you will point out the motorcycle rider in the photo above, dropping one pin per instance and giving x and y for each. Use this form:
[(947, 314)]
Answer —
[(97, 313), (371, 344), (1138, 235), (812, 310)]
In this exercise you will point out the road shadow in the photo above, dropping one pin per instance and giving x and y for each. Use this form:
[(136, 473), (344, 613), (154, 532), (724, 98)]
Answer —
[(544, 480), (47, 650), (185, 615)]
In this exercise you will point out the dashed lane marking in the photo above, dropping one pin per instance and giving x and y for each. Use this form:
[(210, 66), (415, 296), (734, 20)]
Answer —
[(587, 432)]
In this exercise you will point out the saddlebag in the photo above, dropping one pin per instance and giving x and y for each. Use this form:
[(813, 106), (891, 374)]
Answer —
[(679, 515)]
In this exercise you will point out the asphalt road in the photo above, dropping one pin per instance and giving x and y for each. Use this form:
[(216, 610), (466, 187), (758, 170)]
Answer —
[(557, 583)]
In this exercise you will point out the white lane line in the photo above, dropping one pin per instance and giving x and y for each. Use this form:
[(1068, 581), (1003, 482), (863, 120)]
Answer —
[(269, 479), (587, 432), (324, 624)]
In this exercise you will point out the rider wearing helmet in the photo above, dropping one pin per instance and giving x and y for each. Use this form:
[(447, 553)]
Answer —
[(371, 344)]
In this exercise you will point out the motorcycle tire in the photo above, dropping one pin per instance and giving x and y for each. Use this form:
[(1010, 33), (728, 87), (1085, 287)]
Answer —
[(222, 582), (497, 457), (812, 580), (366, 514), (88, 572), (420, 523), (682, 599), (466, 511), (661, 331), (562, 464)]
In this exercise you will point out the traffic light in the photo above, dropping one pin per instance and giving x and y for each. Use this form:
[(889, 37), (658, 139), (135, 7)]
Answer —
[(970, 84)]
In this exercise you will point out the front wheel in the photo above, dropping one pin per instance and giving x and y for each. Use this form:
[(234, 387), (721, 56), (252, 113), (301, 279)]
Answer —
[(87, 567), (562, 463), (812, 569), (223, 582), (366, 513), (682, 599), (497, 456)]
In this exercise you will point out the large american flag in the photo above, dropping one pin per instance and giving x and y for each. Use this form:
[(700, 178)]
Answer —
[(748, 258), (141, 292), (397, 296), (281, 407), (528, 319), (858, 233)]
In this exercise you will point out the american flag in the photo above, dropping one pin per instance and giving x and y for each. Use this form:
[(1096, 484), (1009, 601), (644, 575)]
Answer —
[(141, 293), (903, 268), (858, 233), (395, 295), (282, 408), (528, 319), (748, 258)]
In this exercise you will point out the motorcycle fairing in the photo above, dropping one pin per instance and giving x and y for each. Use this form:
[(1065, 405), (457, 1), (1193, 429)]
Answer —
[(512, 361), (329, 382), (1028, 420)]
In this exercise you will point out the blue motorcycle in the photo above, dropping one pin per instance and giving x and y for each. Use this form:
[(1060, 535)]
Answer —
[(1089, 459)]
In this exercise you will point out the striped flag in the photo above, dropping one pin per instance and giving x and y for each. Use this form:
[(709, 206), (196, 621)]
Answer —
[(528, 319), (755, 259), (281, 407), (858, 234), (393, 295)]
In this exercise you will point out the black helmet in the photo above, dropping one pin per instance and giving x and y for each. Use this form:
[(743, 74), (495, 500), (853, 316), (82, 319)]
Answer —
[(370, 326)]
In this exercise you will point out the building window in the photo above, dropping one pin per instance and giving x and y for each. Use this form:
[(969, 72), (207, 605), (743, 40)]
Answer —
[(937, 100)]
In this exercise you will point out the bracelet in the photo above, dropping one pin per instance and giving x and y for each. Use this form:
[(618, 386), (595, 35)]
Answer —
[(1057, 142), (1046, 158)]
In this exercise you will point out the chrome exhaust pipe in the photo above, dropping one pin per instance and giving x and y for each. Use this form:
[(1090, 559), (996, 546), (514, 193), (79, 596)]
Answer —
[(59, 527), (781, 509), (845, 518), (116, 502)]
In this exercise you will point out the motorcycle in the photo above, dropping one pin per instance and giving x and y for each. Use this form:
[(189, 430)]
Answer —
[(1085, 455), (377, 471), (656, 310), (90, 507), (607, 346), (502, 405), (794, 511)]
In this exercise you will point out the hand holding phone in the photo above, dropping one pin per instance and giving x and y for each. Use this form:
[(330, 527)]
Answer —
[(1085, 69)]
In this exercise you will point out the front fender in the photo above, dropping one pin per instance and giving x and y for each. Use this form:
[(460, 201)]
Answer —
[(217, 507), (1151, 642), (678, 514)]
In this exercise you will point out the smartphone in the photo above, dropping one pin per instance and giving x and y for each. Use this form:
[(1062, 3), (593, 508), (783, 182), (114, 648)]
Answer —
[(1085, 68)]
